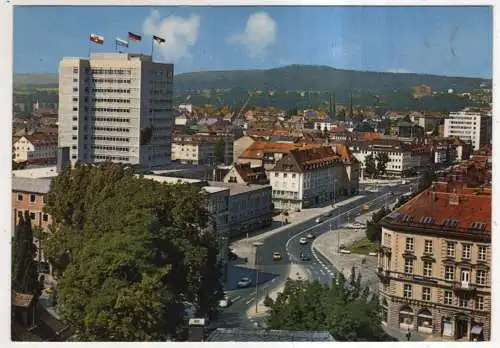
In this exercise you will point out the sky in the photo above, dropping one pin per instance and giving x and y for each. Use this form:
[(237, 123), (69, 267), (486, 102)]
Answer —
[(453, 41)]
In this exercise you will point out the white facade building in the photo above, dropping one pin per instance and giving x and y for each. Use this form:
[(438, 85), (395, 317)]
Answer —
[(469, 126), (116, 107), (304, 178)]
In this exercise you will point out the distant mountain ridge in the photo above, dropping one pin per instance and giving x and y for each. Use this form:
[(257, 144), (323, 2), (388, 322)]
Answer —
[(293, 77), (312, 77)]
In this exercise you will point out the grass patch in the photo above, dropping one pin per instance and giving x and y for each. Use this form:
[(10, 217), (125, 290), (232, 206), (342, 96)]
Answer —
[(363, 246)]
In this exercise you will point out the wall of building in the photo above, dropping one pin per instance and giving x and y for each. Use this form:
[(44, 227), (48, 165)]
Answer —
[(392, 290)]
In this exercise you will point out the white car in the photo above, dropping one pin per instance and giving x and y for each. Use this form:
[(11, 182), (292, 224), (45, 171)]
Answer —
[(244, 282), (303, 240), (225, 302), (318, 220)]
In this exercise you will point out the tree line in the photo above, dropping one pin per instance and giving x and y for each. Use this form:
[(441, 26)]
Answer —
[(130, 254), (345, 309)]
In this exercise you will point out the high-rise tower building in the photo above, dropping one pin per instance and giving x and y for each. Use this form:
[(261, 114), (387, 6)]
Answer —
[(116, 107)]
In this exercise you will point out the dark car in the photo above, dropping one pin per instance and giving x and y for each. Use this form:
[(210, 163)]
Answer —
[(232, 256), (304, 257)]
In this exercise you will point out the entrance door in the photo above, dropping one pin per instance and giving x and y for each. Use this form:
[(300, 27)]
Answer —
[(461, 327)]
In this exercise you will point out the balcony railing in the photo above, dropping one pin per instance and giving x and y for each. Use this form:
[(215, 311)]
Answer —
[(464, 286)]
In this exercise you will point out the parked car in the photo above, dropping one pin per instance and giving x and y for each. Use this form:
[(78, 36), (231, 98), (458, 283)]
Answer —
[(232, 256), (310, 236), (276, 256), (345, 251), (225, 301), (303, 240), (244, 282), (319, 220), (304, 257)]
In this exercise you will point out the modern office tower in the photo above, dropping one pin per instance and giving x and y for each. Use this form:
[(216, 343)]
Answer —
[(116, 107), (469, 126)]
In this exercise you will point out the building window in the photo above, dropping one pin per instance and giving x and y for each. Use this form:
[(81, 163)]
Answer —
[(409, 244), (448, 298), (32, 198), (276, 174), (481, 255), (463, 301), (479, 303), (426, 294), (45, 217), (450, 249), (481, 277), (466, 251), (75, 89), (449, 272), (284, 175), (409, 266), (427, 269), (32, 216), (19, 197), (407, 292), (428, 247)]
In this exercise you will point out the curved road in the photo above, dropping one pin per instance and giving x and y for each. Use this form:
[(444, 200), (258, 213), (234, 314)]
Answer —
[(273, 273)]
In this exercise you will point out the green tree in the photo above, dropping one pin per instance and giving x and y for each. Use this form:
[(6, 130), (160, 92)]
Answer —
[(373, 227), (428, 176), (24, 273), (382, 159), (130, 252), (315, 307), (370, 166)]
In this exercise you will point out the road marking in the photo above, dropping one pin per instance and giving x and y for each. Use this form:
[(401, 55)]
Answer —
[(332, 219), (321, 271), (236, 298), (250, 300)]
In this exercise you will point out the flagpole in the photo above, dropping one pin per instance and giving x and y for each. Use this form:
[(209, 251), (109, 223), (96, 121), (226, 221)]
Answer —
[(152, 48)]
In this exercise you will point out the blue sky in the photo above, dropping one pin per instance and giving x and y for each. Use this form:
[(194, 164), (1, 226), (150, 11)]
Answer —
[(453, 41)]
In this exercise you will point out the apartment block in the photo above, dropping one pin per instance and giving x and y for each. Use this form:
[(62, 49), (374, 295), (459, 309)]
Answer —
[(435, 258), (306, 177), (473, 127), (116, 107)]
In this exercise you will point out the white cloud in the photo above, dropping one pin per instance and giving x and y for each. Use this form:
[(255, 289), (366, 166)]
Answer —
[(399, 71), (259, 34), (180, 34)]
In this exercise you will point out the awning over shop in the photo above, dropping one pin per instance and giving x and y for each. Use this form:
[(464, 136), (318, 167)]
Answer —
[(476, 330)]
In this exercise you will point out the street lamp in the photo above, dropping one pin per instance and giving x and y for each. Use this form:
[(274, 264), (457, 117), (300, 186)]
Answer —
[(256, 245)]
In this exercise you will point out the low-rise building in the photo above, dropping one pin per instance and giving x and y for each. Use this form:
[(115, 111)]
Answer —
[(241, 144), (244, 173), (29, 194), (306, 177), (266, 154), (37, 148), (404, 158), (250, 206), (435, 260), (202, 149)]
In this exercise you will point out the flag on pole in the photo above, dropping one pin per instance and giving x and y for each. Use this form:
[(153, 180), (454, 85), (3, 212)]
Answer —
[(98, 39), (159, 40), (134, 37), (120, 42)]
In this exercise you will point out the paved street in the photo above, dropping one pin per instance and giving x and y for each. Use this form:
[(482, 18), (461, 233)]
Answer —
[(285, 240)]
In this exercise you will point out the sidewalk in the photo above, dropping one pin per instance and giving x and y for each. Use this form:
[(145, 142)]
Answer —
[(326, 245), (296, 272), (294, 219)]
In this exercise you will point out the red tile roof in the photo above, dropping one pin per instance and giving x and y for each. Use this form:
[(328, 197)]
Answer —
[(465, 208), (258, 148), (251, 174)]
